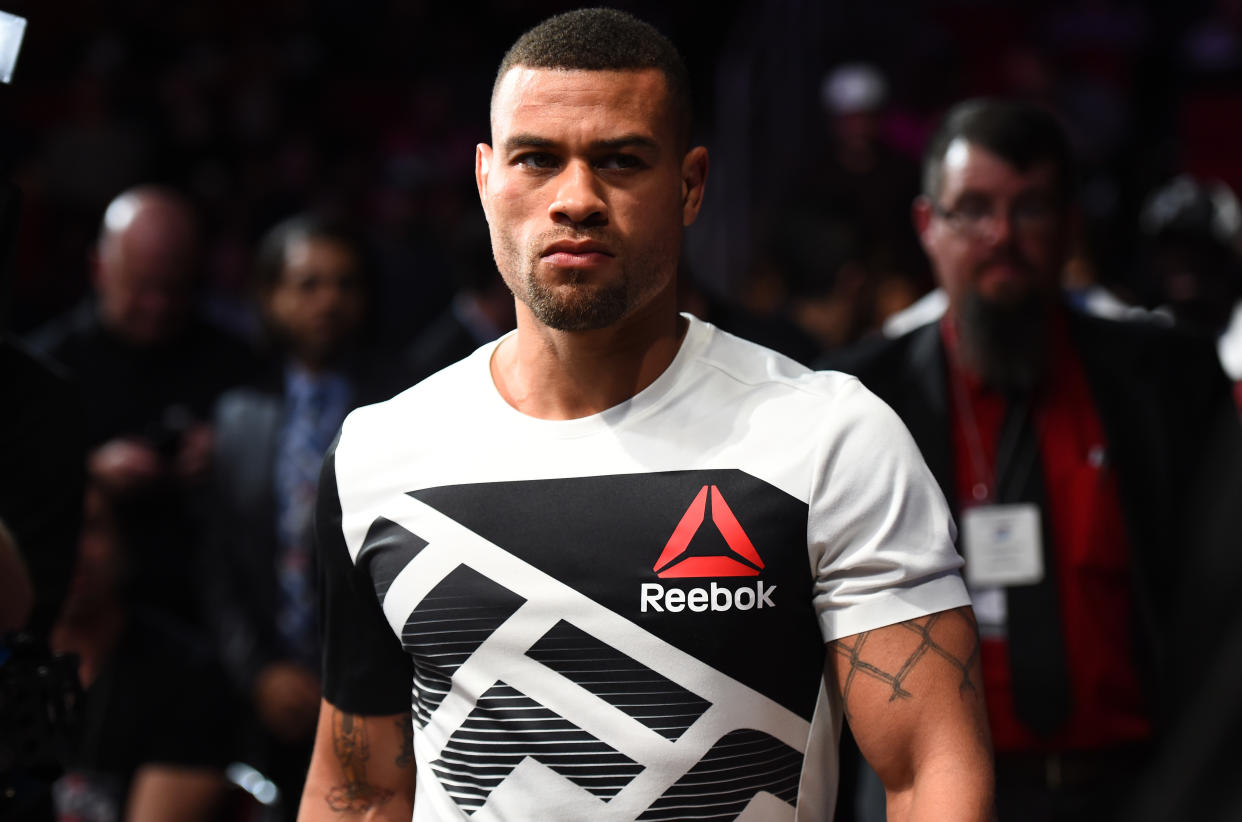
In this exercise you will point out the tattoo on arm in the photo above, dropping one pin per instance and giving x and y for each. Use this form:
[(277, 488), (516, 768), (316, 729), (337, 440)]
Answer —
[(854, 649), (406, 758), (352, 749)]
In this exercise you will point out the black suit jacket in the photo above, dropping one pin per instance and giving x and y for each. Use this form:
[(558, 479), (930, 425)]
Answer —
[(1167, 414), (239, 566), (441, 344)]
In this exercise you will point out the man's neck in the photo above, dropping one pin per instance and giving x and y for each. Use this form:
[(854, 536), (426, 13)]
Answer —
[(562, 375)]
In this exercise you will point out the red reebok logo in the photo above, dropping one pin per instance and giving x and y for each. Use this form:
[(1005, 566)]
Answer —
[(744, 563)]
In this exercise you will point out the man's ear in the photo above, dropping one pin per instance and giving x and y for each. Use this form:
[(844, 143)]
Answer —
[(482, 168), (693, 182)]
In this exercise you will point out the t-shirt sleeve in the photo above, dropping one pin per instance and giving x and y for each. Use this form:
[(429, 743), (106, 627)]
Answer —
[(879, 529), (365, 669)]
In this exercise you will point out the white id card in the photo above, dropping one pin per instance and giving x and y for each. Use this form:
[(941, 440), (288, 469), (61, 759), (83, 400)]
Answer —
[(1003, 544), (991, 611)]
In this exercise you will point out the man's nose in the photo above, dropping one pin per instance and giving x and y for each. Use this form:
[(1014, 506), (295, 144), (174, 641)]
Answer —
[(999, 227), (578, 200)]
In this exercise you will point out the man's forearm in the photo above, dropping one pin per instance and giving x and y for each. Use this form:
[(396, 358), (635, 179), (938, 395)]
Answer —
[(362, 768)]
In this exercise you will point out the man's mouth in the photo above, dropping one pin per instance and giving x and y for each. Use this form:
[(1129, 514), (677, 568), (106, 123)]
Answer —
[(576, 253), (1005, 268)]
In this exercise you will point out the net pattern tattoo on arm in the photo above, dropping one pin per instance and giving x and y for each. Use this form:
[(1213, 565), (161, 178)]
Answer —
[(353, 748), (853, 648)]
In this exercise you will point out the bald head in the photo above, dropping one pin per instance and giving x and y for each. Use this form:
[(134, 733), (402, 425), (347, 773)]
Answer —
[(146, 259)]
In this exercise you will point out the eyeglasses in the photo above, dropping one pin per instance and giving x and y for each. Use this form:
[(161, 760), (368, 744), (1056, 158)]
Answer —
[(979, 219)]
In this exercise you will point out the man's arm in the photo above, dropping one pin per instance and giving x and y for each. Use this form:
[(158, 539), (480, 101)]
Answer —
[(362, 768), (913, 695), (173, 793)]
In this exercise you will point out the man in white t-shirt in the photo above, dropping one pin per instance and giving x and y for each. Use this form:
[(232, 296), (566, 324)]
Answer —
[(620, 565)]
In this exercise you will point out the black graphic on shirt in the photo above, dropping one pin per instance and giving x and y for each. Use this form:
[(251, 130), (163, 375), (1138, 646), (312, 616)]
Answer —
[(603, 536), (660, 551), (506, 727), (387, 549), (662, 705), (742, 764), (447, 627)]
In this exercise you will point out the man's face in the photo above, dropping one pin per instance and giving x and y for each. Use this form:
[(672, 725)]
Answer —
[(586, 193), (993, 232), (144, 281), (317, 304)]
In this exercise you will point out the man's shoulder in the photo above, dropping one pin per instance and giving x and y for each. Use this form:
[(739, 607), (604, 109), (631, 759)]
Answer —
[(221, 347), (25, 365), (879, 359), (238, 405), (443, 395), (62, 336), (1143, 347), (44, 395), (752, 368), (1154, 331)]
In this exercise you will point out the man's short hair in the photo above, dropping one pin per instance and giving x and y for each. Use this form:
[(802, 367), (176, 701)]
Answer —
[(1021, 134), (269, 262), (604, 40)]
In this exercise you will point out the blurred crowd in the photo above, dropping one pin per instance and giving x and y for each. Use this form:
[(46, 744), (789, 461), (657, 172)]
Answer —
[(240, 220)]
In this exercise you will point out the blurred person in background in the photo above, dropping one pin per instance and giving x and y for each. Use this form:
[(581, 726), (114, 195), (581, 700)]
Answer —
[(863, 177), (156, 719), (42, 470), (480, 311), (1192, 263), (838, 254), (313, 287), (1072, 450), (149, 369), (1193, 270)]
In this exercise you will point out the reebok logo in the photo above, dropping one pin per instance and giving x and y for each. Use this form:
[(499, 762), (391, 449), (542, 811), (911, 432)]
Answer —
[(744, 561), (656, 597)]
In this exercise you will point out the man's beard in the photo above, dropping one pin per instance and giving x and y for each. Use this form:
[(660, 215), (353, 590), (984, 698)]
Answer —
[(1005, 343), (575, 303), (578, 308)]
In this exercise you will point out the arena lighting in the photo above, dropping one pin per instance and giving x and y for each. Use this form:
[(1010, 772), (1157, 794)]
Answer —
[(254, 783), (12, 29)]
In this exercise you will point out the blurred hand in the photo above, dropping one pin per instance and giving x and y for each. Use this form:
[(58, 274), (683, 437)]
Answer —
[(124, 464), (194, 457), (286, 698)]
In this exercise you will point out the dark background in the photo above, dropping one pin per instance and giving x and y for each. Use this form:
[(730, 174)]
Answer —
[(260, 108)]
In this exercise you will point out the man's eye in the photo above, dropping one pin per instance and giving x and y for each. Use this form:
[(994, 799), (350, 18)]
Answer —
[(973, 210), (536, 159), (620, 162)]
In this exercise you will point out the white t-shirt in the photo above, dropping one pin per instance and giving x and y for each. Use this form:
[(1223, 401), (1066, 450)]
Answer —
[(623, 617)]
